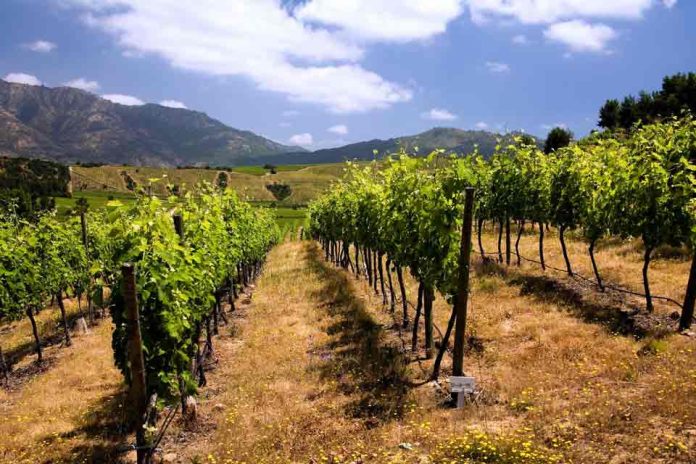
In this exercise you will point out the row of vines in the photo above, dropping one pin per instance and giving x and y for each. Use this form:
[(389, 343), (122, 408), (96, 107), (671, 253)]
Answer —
[(188, 253), (409, 209)]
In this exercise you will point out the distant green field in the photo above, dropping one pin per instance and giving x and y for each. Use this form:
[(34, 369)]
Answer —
[(288, 218), (305, 181), (95, 200), (260, 171)]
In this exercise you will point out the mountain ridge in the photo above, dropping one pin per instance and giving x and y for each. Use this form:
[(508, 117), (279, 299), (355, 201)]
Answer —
[(455, 140), (74, 126), (69, 125)]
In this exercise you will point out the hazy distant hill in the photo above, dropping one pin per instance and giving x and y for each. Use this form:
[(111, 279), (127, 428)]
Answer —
[(454, 140), (70, 125)]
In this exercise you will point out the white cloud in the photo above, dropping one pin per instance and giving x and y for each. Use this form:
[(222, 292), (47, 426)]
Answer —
[(384, 20), (550, 11), (40, 46), (256, 39), (548, 127), (520, 39), (127, 100), (581, 36), (481, 125), (173, 104), (340, 129), (303, 139), (669, 3), (291, 113), (84, 84), (22, 78), (439, 114), (497, 67)]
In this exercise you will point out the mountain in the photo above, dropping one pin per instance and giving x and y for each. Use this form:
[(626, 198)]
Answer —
[(69, 125), (453, 140)]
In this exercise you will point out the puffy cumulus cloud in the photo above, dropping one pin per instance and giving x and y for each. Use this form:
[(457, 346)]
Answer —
[(481, 125), (304, 139), (439, 114), (258, 39), (173, 104), (669, 3), (339, 129), (40, 46), (83, 84), (22, 78), (383, 20), (497, 67), (127, 100), (581, 36), (550, 11)]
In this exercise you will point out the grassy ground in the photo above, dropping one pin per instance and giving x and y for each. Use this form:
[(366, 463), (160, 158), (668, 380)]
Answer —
[(260, 171), (314, 369), (65, 411)]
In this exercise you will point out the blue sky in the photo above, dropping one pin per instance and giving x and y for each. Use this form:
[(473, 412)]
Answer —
[(329, 72)]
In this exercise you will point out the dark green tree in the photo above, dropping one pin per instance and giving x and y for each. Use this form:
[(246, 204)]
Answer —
[(628, 113), (678, 94), (609, 115), (557, 138)]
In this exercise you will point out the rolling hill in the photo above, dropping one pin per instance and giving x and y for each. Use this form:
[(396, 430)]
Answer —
[(455, 140)]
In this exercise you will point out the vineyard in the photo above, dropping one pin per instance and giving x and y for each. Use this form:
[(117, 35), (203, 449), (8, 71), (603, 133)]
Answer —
[(410, 211), (563, 283), (163, 267)]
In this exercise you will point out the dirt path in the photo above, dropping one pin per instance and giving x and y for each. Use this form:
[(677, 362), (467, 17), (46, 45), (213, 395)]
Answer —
[(308, 371)]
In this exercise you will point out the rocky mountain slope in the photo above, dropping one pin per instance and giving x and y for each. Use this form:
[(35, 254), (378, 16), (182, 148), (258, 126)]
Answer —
[(70, 125)]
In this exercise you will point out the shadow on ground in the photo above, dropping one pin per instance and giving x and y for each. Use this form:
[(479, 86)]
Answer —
[(56, 336), (358, 356), (610, 309), (101, 436)]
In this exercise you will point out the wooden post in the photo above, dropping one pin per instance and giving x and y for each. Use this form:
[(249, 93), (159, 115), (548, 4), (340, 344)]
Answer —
[(179, 226), (4, 367), (85, 243), (83, 224), (428, 297), (462, 298), (507, 240), (687, 314), (138, 390)]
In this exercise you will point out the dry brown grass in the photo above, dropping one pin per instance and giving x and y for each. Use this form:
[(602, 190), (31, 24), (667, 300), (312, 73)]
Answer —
[(619, 262), (297, 388), (65, 414), (17, 340)]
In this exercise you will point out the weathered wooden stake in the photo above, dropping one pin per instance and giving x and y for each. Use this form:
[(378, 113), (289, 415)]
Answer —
[(85, 243), (138, 389), (462, 299), (687, 314)]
